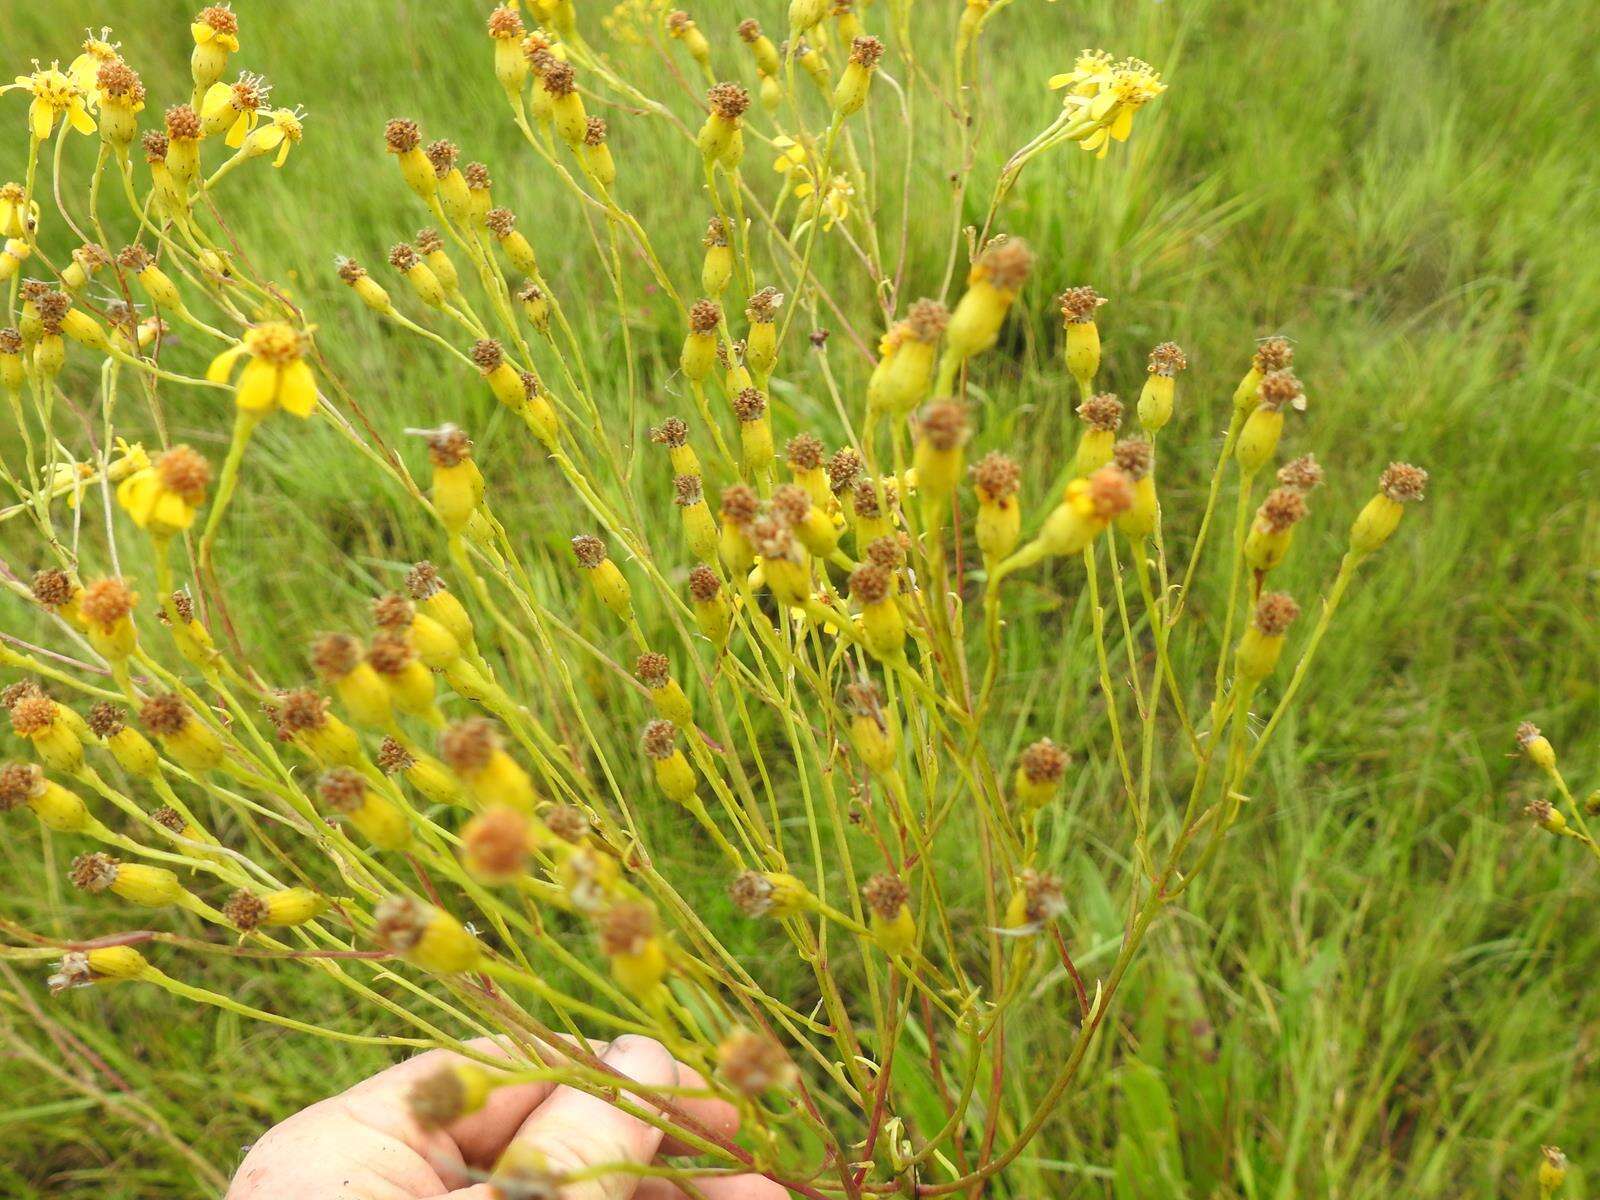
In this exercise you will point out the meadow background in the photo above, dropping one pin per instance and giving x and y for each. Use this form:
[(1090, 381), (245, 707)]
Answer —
[(1389, 989)]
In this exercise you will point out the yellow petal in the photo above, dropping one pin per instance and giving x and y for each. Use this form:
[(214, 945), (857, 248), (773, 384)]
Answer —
[(258, 387), (1122, 125), (237, 131), (1095, 140), (80, 118), (1102, 104), (222, 365), (216, 99), (283, 153), (41, 119), (1058, 81), (170, 510), (298, 393)]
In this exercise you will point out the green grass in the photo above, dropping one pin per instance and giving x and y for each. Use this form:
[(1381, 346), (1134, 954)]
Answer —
[(1388, 988)]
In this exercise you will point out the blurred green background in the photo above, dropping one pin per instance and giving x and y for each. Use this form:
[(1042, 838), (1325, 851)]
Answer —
[(1389, 990)]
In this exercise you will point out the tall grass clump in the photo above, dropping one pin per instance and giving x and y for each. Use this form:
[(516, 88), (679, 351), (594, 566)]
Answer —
[(744, 746)]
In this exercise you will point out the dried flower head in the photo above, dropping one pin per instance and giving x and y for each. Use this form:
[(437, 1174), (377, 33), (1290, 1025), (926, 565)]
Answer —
[(866, 51), (184, 471), (803, 452), (753, 1063), (888, 552), (844, 468), (118, 81), (749, 29), (245, 910), (1168, 359), (1103, 412), (428, 241), (627, 929), (869, 583), (393, 757), (1275, 612), (164, 714), (886, 894), (752, 894), (1134, 457), (704, 316), (403, 256), (687, 490), (220, 18), (399, 923), (704, 585), (1043, 900), (496, 842), (1282, 508), (762, 308), (32, 714), (653, 669), (93, 872), (673, 433), (23, 689), (659, 739), (1403, 482), (791, 503), (400, 136), (448, 446), (1110, 492), (567, 822), (183, 123), (728, 100), (749, 404), (106, 602), (1281, 388), (505, 23), (589, 550), (594, 132), (943, 424), (302, 710), (51, 587), (487, 355), (342, 790), (477, 176), (442, 155), (502, 222), (155, 146), (393, 611), (1303, 474), (422, 581), (1044, 762), (1527, 734), (1005, 263), (1273, 354), (467, 746), (558, 77), (106, 720), (716, 233), (19, 783), (1078, 305), (335, 655), (390, 652), (739, 503), (926, 320)]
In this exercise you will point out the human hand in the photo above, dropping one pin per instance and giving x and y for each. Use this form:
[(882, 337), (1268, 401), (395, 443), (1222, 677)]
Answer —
[(364, 1144)]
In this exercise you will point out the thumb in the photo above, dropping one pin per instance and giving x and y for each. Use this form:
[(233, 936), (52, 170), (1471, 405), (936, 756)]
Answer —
[(573, 1131)]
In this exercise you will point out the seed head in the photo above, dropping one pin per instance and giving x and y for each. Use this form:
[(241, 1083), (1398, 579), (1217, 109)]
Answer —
[(1403, 482), (467, 746), (428, 241), (401, 135), (1044, 762), (448, 446), (749, 404), (342, 790), (1134, 457), (653, 670), (1280, 388), (869, 583), (728, 100), (335, 655), (672, 433), (943, 424), (803, 452), (393, 757), (792, 503), (184, 471), (402, 256), (751, 1063), (1282, 508), (1273, 354), (751, 893), (888, 551), (679, 23), (716, 234), (164, 715), (220, 18), (390, 652), (93, 872), (704, 316), (740, 504), (302, 710), (1078, 305), (627, 929), (106, 720), (183, 123), (10, 341), (704, 584), (423, 581), (1110, 491), (659, 739), (926, 320), (864, 499), (487, 355), (53, 307), (1168, 359), (589, 550), (866, 51), (1043, 899), (749, 29), (559, 78), (155, 145), (886, 894), (496, 841), (442, 155), (1103, 412), (1006, 262), (32, 715), (843, 469), (15, 693), (393, 611), (477, 176), (1303, 474), (594, 133), (505, 23), (1275, 612), (399, 923), (19, 783), (245, 910), (762, 308), (117, 79), (106, 602), (51, 587)]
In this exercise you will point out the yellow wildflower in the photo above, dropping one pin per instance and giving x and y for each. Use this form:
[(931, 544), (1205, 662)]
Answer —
[(1089, 74), (97, 52), (277, 376), (164, 496), (19, 215), (55, 97), (282, 132), (235, 107)]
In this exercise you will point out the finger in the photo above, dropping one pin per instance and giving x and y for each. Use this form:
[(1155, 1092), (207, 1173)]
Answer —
[(713, 1116), (573, 1130), (723, 1187)]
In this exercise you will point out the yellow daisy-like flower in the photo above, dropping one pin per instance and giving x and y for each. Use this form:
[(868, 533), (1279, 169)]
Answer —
[(237, 103), (1104, 98), (97, 51), (792, 156), (277, 375), (55, 97), (164, 497), (218, 27), (282, 132), (18, 215), (835, 202), (1089, 74)]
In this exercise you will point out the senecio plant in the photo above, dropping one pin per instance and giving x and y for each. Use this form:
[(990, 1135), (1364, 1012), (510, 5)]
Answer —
[(791, 644)]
